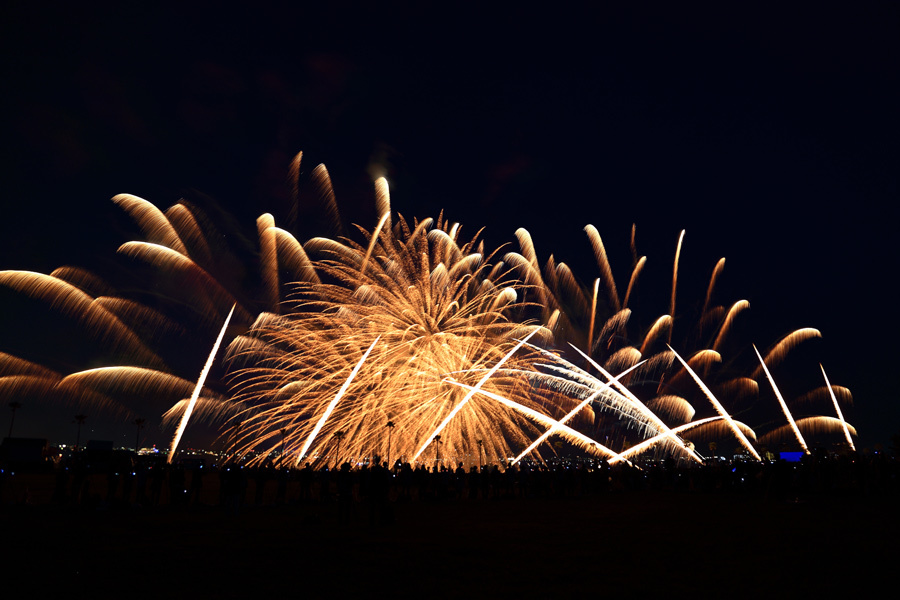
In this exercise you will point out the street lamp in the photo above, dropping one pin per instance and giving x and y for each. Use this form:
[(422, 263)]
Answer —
[(390, 426), (338, 435), (80, 419), (480, 454), (139, 422), (13, 406)]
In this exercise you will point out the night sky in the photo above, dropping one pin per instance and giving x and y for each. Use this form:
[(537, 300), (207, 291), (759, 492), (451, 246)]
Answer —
[(770, 136)]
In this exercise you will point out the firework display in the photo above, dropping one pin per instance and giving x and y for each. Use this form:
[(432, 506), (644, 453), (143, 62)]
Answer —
[(409, 341)]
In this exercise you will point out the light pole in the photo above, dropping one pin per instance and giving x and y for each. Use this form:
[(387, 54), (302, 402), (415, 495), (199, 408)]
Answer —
[(80, 419), (232, 443), (13, 406), (390, 426), (480, 455), (338, 435), (139, 422)]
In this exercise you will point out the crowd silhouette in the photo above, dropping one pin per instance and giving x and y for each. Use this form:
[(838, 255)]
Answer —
[(123, 479)]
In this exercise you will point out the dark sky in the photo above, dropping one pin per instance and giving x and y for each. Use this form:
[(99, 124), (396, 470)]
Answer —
[(771, 136)]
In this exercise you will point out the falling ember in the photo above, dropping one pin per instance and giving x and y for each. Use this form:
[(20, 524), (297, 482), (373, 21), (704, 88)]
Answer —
[(196, 393)]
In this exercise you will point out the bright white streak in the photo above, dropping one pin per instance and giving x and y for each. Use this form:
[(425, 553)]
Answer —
[(182, 425), (784, 408), (603, 387), (373, 241), (718, 406), (539, 417), (838, 409), (641, 406), (637, 449), (590, 340), (333, 403), (471, 393)]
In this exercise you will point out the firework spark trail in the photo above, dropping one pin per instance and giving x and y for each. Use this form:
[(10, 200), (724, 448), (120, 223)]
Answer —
[(784, 347), (215, 296), (573, 435), (635, 273), (733, 312), (784, 408), (642, 408), (590, 339), (333, 403), (196, 393), (625, 408), (268, 259), (717, 271), (662, 324), (648, 443), (603, 262), (838, 409), (574, 378), (152, 221), (603, 387), (675, 279), (381, 223), (472, 392), (718, 406), (812, 425), (88, 311)]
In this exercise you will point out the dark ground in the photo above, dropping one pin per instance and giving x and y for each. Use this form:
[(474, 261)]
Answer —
[(699, 544)]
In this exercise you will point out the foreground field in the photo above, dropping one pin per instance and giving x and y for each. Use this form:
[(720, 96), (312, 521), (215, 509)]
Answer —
[(634, 542)]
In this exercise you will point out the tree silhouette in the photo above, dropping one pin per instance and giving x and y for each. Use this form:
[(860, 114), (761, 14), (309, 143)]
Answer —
[(480, 454), (437, 450)]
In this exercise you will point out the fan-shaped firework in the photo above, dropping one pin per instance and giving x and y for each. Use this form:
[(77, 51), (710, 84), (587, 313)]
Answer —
[(597, 323), (412, 342)]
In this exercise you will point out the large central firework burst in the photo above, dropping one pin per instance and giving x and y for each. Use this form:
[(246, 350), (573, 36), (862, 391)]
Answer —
[(369, 351)]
